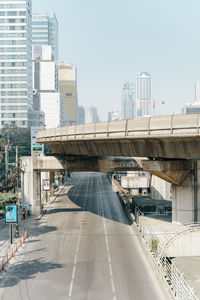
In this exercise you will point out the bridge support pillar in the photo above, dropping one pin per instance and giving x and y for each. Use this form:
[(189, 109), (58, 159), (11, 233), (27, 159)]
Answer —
[(31, 185), (186, 197)]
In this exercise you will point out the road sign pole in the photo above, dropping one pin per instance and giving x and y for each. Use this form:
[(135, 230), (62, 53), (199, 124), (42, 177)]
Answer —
[(11, 234)]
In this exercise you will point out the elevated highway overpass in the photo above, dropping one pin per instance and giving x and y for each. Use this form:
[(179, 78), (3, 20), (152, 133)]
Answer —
[(165, 137), (171, 144)]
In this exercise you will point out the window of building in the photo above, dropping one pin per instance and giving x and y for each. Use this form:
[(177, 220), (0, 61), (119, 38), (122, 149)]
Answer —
[(23, 93), (3, 107), (11, 13), (12, 35), (12, 56), (12, 107), (23, 115), (3, 115), (12, 115), (13, 93), (3, 100), (12, 100), (24, 107), (12, 49), (12, 86)]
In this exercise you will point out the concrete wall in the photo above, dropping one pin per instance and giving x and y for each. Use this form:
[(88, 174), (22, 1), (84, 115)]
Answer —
[(160, 189), (186, 198), (187, 244)]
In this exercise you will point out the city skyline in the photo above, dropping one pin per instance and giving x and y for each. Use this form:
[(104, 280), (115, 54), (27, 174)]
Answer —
[(127, 42)]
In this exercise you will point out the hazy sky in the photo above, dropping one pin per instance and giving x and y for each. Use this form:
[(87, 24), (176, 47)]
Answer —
[(110, 41)]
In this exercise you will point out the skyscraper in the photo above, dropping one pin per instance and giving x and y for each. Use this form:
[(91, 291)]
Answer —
[(143, 94), (46, 96), (68, 87), (128, 105), (45, 32), (91, 115), (16, 64)]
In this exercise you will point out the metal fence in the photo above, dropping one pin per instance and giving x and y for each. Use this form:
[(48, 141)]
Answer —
[(175, 280)]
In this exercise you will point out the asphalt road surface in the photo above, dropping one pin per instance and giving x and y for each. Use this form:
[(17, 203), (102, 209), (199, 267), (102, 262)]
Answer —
[(82, 248)]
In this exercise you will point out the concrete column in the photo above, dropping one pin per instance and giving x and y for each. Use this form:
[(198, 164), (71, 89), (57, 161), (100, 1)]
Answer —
[(186, 198), (31, 185), (45, 195), (36, 192), (52, 174)]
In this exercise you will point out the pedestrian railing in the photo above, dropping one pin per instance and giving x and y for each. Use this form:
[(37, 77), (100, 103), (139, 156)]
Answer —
[(175, 280)]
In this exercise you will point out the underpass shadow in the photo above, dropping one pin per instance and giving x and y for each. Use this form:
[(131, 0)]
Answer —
[(26, 270), (113, 208)]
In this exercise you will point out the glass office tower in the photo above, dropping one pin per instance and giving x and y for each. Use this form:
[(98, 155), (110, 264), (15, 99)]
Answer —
[(45, 32)]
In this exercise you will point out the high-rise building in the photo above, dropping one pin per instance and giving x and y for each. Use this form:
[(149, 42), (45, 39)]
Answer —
[(16, 64), (128, 104), (114, 115), (91, 115), (68, 87), (193, 108), (143, 94), (81, 115), (45, 32), (46, 96)]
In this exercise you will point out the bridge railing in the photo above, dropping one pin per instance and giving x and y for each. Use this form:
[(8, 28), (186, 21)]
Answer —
[(175, 280), (173, 125)]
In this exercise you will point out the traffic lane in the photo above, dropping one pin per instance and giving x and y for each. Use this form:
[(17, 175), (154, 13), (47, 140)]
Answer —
[(45, 267), (127, 277), (94, 192), (132, 273)]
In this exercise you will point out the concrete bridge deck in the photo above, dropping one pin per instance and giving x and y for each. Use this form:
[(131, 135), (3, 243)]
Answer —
[(175, 136)]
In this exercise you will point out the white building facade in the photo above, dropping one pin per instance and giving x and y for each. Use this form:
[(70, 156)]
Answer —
[(128, 101), (46, 96), (143, 94), (16, 64)]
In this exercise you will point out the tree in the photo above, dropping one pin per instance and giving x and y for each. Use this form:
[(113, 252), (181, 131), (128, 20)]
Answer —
[(6, 199), (15, 136)]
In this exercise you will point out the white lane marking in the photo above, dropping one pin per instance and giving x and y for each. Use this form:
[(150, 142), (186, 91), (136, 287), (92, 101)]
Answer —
[(110, 268), (113, 285), (108, 250), (70, 289)]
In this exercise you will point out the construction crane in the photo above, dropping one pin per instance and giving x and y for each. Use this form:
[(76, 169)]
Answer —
[(154, 102)]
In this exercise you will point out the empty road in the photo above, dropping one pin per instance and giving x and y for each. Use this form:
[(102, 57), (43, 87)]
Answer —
[(82, 248)]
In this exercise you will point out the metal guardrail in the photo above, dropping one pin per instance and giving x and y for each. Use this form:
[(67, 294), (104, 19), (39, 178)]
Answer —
[(175, 280)]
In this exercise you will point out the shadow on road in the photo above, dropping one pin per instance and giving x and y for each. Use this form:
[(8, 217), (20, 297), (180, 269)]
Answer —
[(26, 270), (60, 210), (43, 229), (94, 193)]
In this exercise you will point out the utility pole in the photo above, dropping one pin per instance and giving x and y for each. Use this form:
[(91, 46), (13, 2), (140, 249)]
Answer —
[(6, 166), (16, 166)]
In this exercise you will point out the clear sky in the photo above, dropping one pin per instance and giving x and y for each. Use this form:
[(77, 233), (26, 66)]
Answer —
[(110, 41)]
